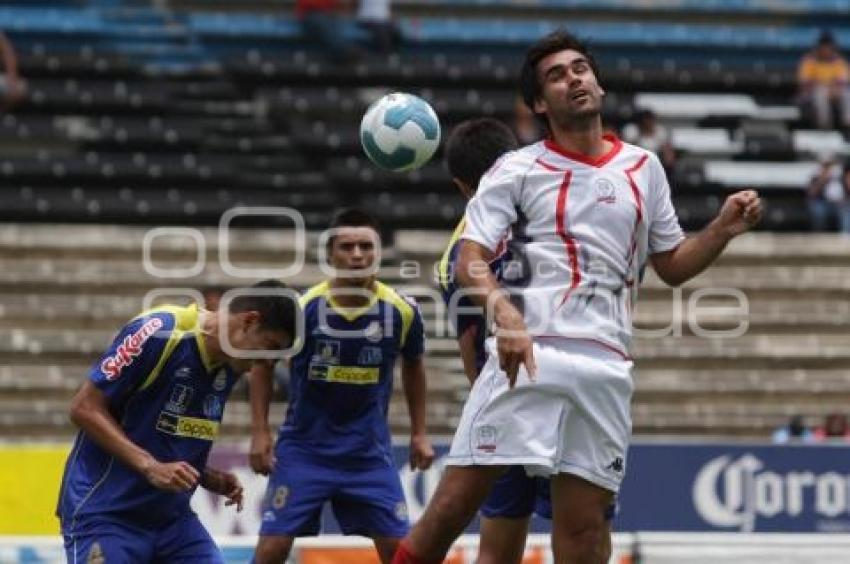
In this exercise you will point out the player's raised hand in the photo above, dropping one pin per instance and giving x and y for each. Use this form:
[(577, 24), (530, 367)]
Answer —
[(262, 455), (514, 346), (421, 452), (741, 211), (172, 476)]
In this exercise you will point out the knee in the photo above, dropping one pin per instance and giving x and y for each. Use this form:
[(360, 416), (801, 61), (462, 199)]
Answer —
[(272, 550), (588, 543)]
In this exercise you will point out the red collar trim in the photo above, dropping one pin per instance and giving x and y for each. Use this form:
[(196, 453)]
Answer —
[(599, 161)]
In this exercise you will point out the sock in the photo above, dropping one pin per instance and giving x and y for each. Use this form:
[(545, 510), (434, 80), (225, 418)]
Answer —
[(403, 555)]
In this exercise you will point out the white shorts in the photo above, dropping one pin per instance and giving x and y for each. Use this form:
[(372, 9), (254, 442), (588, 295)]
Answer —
[(573, 419)]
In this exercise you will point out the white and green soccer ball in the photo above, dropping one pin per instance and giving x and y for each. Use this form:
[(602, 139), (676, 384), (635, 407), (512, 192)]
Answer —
[(400, 132)]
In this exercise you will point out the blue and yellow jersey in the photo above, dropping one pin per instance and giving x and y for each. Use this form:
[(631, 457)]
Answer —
[(168, 398), (342, 378), (461, 310)]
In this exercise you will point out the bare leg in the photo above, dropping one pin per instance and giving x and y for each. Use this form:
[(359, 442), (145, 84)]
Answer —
[(502, 540), (580, 534), (386, 547), (461, 492), (273, 549)]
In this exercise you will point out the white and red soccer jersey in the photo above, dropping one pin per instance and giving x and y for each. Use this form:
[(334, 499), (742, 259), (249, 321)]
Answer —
[(582, 230)]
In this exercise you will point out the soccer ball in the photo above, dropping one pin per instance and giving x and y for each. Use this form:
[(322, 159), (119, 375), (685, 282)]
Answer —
[(400, 132)]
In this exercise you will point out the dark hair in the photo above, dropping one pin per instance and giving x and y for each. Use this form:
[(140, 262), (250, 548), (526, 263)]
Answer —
[(826, 38), (474, 145), (277, 312), (352, 217), (559, 40)]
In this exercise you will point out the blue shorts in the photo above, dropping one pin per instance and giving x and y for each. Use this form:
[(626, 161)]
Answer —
[(367, 502), (515, 495), (114, 540)]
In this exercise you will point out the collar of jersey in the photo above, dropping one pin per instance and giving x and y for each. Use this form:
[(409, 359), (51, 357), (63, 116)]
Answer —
[(445, 259), (199, 339), (352, 313), (599, 161)]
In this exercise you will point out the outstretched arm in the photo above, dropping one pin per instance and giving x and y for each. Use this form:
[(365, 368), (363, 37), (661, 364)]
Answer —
[(741, 211)]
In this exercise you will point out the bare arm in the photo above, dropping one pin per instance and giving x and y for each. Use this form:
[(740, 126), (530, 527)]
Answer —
[(260, 393), (740, 212), (415, 389), (512, 338), (10, 67), (10, 60), (90, 412), (224, 483)]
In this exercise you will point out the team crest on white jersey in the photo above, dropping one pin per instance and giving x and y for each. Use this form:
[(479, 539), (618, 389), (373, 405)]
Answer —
[(486, 439), (605, 192)]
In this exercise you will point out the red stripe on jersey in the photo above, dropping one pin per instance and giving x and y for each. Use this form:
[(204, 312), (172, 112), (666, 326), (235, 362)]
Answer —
[(638, 212), (602, 344), (599, 161), (561, 228), (547, 166)]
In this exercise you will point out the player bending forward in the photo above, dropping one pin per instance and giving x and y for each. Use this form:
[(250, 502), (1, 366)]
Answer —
[(148, 415), (334, 444), (585, 212)]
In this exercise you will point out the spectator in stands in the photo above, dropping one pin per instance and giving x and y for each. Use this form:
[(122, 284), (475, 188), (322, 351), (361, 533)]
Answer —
[(12, 87), (829, 196), (824, 77), (376, 18), (323, 21), (794, 431), (835, 427), (646, 132)]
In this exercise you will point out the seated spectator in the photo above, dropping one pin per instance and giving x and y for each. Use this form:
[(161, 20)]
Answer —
[(829, 196), (375, 17), (823, 78), (646, 132), (794, 431), (12, 87), (835, 428)]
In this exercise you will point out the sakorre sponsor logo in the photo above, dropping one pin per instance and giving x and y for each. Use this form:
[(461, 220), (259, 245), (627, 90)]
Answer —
[(735, 493), (129, 349)]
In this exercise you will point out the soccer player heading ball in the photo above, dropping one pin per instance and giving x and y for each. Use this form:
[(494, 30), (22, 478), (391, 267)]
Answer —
[(148, 415), (334, 444), (585, 213)]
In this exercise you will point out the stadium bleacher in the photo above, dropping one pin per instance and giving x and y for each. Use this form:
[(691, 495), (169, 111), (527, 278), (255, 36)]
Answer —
[(210, 97), (66, 288), (172, 113)]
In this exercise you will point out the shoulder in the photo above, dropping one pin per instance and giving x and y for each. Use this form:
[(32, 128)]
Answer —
[(402, 303), (515, 162), (313, 293), (166, 318)]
